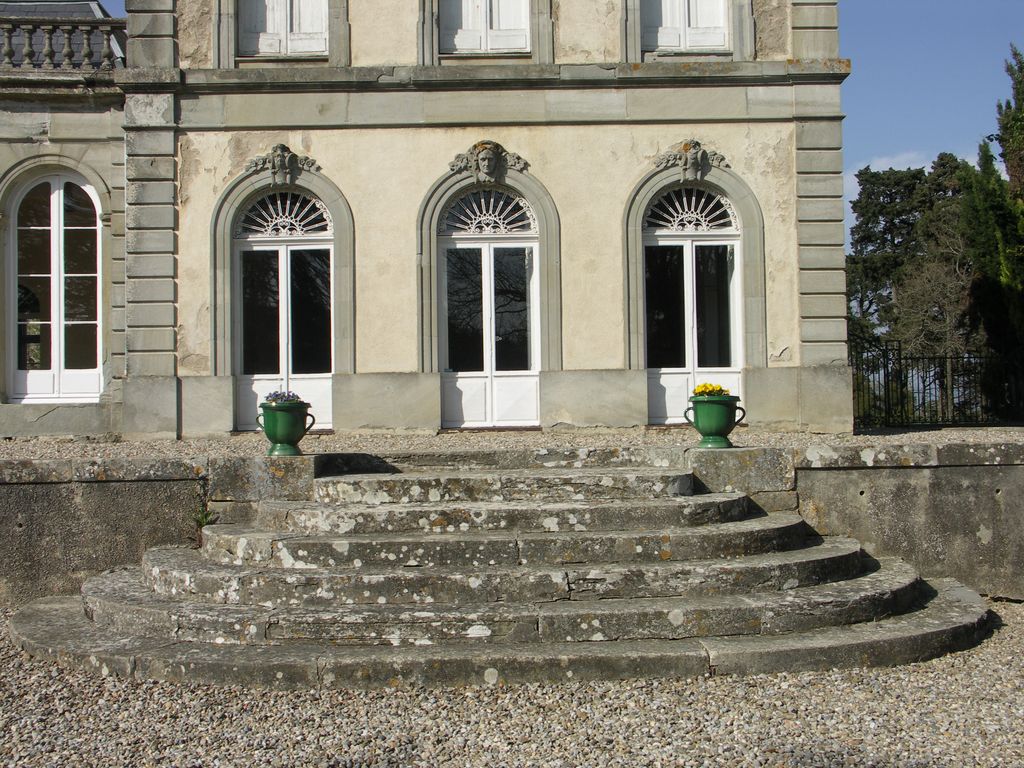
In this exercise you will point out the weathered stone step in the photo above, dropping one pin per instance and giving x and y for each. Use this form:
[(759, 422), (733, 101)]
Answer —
[(502, 458), (676, 511), (503, 485), (57, 629), (184, 573), (242, 545), (120, 600)]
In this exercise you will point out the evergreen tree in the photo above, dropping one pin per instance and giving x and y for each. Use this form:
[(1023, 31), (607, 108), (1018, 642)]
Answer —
[(1011, 125)]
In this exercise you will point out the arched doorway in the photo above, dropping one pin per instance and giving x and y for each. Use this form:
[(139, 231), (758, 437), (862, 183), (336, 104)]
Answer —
[(692, 294), (489, 320), (283, 276)]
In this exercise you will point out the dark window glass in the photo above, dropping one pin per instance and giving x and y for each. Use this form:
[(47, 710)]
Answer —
[(80, 298), (311, 311), (34, 210), (34, 298), (33, 346), (665, 304), (80, 252), (78, 208), (465, 310), (714, 329), (80, 346), (33, 251), (511, 310), (261, 336)]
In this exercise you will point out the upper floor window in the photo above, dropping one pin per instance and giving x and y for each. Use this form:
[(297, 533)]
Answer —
[(684, 25), (282, 27), (484, 26), (54, 307)]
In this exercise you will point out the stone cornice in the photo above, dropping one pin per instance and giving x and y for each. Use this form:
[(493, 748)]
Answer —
[(485, 77)]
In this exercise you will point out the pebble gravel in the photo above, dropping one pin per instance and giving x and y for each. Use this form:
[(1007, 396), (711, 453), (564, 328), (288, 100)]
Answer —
[(965, 709), (254, 444)]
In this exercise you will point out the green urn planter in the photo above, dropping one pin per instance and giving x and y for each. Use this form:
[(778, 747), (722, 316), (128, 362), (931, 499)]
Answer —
[(714, 416), (285, 425)]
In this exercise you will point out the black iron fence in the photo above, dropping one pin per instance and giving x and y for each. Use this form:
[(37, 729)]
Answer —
[(893, 389)]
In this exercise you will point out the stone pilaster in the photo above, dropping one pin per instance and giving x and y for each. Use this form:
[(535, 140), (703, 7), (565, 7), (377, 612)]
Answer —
[(150, 316), (815, 29)]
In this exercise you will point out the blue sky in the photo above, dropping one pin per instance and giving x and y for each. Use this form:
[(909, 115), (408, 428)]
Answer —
[(926, 77)]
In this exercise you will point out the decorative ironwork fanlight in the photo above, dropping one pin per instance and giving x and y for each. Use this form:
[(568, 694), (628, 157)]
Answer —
[(487, 211), (691, 209), (285, 214)]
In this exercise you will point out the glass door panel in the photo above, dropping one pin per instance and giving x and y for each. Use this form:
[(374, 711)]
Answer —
[(511, 303), (311, 311), (465, 310), (666, 305), (261, 322), (713, 287)]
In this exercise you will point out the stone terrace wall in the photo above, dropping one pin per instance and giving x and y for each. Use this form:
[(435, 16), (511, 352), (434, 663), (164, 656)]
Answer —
[(953, 510), (950, 510)]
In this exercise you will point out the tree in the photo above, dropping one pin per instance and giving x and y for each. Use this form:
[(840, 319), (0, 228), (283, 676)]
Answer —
[(883, 240), (1011, 125)]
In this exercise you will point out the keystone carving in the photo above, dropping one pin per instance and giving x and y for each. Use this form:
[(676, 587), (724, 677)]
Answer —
[(488, 161), (283, 164), (694, 162)]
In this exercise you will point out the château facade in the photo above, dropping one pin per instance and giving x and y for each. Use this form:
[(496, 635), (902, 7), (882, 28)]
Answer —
[(420, 213)]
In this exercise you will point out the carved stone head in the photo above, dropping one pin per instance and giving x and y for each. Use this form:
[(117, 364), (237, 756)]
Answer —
[(694, 162), (488, 161), (283, 164)]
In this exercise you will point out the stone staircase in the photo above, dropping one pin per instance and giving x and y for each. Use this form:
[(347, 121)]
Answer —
[(501, 569)]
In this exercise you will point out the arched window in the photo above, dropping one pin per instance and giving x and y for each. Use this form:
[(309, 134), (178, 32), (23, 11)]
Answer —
[(489, 320), (283, 272), (55, 266), (692, 307)]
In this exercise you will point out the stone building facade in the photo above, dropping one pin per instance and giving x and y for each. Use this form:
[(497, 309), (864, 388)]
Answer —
[(423, 214)]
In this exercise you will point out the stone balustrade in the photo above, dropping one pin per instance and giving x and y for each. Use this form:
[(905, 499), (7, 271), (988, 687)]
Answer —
[(61, 44)]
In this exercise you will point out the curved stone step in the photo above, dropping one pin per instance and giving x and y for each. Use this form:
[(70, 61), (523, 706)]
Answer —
[(244, 545), (58, 630), (184, 573), (503, 485), (676, 511), (120, 600)]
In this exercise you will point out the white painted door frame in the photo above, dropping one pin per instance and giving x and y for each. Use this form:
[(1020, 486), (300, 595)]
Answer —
[(489, 397), (250, 389)]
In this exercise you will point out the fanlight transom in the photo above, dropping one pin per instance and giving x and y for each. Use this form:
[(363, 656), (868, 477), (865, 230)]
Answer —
[(691, 209), (488, 211), (285, 214)]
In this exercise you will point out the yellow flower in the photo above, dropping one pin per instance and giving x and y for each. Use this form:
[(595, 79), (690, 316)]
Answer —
[(704, 390)]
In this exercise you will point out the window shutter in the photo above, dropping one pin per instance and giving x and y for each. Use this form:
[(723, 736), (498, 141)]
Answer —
[(509, 25), (661, 24), (308, 32), (706, 27), (460, 25), (261, 26)]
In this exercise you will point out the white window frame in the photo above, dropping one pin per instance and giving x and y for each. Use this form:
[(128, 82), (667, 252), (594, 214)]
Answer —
[(688, 42), (56, 384), (490, 39), (291, 44), (683, 380), (282, 247)]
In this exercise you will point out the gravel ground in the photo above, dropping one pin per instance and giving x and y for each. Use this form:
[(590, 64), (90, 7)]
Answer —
[(254, 444), (964, 709)]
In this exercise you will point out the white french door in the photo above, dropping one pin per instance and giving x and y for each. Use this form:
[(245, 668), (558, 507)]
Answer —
[(284, 329), (693, 321), (490, 344)]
